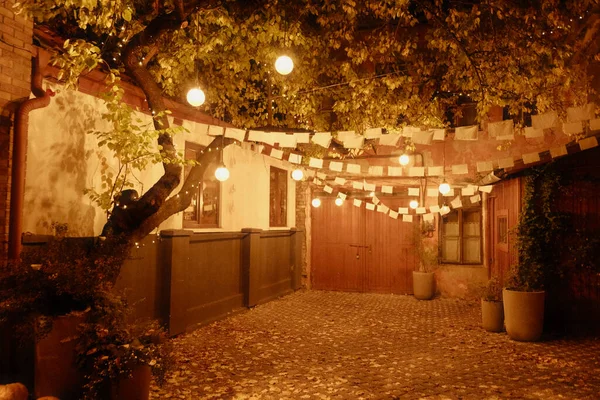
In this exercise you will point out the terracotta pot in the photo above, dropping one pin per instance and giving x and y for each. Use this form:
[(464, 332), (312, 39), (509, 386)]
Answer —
[(492, 315), (423, 285), (135, 388), (524, 314)]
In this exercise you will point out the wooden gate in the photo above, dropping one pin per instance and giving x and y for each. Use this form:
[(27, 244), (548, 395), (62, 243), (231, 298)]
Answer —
[(354, 249)]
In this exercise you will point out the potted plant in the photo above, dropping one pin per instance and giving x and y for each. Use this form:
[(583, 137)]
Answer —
[(424, 277), (492, 313), (537, 235), (117, 356)]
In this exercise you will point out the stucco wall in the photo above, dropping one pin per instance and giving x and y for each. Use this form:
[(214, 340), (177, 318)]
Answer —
[(63, 160)]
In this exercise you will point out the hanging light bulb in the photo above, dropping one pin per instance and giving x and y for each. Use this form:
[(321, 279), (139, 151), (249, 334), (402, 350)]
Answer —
[(413, 204), (195, 97), (284, 65), (445, 209), (444, 188), (297, 174), (339, 202), (222, 173), (316, 203), (404, 159)]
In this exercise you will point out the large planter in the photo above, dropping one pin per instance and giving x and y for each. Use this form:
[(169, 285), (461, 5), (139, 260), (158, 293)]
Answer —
[(423, 285), (492, 315), (524, 314), (137, 387), (55, 371)]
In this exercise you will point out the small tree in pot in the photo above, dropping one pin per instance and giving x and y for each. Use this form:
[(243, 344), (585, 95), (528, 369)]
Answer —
[(492, 314), (426, 251)]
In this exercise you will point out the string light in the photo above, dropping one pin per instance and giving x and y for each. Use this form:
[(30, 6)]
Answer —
[(196, 97), (403, 159), (316, 203), (413, 204), (339, 202), (222, 173), (284, 65), (297, 174), (444, 188)]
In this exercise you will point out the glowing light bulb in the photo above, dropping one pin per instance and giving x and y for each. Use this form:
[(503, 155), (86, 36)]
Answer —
[(297, 174), (413, 204), (284, 65), (222, 173), (445, 209), (339, 202), (196, 97), (404, 159), (444, 188), (372, 194), (316, 203)]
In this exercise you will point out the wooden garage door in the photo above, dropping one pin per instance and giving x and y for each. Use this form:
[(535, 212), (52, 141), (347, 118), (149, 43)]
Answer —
[(354, 249)]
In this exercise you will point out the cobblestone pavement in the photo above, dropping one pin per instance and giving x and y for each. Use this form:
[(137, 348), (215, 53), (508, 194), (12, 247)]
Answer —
[(322, 345)]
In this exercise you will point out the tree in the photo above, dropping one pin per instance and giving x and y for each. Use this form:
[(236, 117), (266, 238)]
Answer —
[(373, 63)]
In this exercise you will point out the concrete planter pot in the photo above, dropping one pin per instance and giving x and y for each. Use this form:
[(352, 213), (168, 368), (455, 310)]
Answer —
[(137, 387), (524, 314), (55, 371), (423, 285), (492, 315)]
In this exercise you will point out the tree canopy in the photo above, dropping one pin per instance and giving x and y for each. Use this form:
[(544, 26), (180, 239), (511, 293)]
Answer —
[(358, 64)]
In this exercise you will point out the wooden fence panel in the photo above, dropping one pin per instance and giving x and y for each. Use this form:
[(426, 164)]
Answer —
[(276, 264)]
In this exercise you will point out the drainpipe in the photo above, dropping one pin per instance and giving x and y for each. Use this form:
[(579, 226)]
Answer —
[(17, 190)]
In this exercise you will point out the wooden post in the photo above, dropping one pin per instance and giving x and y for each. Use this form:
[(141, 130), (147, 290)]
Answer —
[(250, 265), (174, 255), (296, 257)]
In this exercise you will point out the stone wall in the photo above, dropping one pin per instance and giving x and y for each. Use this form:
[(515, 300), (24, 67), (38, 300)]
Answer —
[(15, 82)]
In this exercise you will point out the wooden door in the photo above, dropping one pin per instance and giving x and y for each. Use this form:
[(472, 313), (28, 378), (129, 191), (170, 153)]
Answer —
[(337, 246), (354, 249)]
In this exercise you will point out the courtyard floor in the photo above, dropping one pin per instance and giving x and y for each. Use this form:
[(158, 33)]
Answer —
[(331, 345)]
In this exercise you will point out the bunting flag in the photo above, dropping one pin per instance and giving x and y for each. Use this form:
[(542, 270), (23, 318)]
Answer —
[(288, 141), (355, 142), (336, 166), (369, 187), (321, 175), (439, 134), (531, 132), (408, 131), (391, 139), (214, 130), (572, 128), (393, 214), (357, 185), (413, 191), (435, 171), (342, 196), (467, 191), (237, 134), (387, 189), (403, 210), (328, 189), (302, 137), (475, 199), (584, 113), (421, 210), (322, 139), (315, 163), (407, 218), (531, 158), (507, 162), (422, 137), (295, 158), (353, 168), (588, 143), (428, 217), (373, 133), (416, 171), (486, 189), (485, 166), (370, 206), (595, 124), (432, 192), (544, 121), (502, 130), (434, 209), (456, 203), (256, 136), (466, 133), (357, 202), (339, 181), (558, 151), (278, 154), (449, 194), (380, 208), (376, 170), (461, 169), (394, 171), (375, 200)]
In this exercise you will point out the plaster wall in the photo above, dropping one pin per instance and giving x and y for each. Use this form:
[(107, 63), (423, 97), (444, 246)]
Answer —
[(63, 160)]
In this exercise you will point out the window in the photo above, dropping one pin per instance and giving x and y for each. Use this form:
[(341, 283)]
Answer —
[(203, 211), (502, 230), (461, 236), (278, 197)]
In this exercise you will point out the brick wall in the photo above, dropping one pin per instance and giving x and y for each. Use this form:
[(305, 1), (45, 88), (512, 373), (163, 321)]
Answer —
[(15, 81)]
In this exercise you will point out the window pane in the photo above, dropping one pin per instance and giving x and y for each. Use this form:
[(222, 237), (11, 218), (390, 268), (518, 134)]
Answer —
[(502, 230), (472, 250), (203, 211), (450, 249), (450, 224), (278, 197)]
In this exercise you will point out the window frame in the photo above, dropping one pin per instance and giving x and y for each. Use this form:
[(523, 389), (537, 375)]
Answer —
[(461, 236), (196, 224), (281, 173)]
